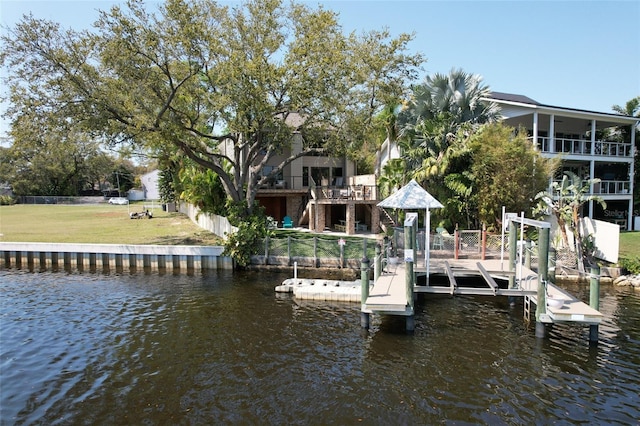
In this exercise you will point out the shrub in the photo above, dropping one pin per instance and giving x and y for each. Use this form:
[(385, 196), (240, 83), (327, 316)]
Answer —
[(631, 264), (241, 244), (7, 200)]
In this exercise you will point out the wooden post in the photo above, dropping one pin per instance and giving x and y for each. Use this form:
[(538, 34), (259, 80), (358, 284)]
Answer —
[(594, 300), (456, 242), (527, 254), (484, 242), (409, 246), (266, 250), (316, 262), (364, 247), (513, 238), (552, 264), (364, 281), (543, 272), (377, 264)]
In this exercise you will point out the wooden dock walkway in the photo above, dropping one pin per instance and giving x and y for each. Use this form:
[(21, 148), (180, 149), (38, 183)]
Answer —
[(388, 296), (571, 309)]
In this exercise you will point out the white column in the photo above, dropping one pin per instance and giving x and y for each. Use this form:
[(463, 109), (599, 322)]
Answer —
[(552, 133), (592, 172), (631, 175), (535, 129), (593, 139)]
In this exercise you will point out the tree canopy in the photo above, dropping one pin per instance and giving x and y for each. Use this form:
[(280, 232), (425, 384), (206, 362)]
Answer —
[(217, 83)]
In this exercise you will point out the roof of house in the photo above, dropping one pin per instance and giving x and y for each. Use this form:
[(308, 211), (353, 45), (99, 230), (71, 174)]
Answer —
[(510, 97)]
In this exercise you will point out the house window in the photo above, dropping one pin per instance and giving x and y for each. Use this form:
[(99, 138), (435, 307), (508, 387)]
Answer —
[(318, 174)]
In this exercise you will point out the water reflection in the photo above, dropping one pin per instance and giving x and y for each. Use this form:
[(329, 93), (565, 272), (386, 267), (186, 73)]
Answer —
[(156, 349)]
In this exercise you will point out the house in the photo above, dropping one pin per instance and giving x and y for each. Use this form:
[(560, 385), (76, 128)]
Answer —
[(580, 139), (318, 191), (150, 185)]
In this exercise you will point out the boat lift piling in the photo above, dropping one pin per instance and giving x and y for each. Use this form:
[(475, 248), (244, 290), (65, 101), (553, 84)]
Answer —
[(364, 277), (594, 300)]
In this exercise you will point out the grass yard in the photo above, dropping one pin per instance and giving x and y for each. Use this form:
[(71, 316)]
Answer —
[(630, 244), (98, 223)]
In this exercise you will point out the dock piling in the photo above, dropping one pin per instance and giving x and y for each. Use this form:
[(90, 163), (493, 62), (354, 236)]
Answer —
[(377, 263), (364, 277), (594, 300)]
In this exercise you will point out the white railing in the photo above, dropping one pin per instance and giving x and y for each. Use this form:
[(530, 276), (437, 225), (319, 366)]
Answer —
[(611, 187), (618, 187), (583, 147)]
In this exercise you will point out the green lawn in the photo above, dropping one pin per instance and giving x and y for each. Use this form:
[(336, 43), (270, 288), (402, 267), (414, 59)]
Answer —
[(630, 244), (98, 223)]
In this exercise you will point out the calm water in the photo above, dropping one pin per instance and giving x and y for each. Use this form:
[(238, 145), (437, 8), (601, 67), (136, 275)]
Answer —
[(224, 348)]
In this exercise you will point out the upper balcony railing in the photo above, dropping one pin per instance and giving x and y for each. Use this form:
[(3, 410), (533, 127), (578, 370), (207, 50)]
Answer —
[(609, 187), (584, 147), (349, 192)]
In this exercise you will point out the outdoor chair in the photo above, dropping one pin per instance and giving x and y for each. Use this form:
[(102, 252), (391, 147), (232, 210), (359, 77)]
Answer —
[(446, 239), (287, 222), (438, 241)]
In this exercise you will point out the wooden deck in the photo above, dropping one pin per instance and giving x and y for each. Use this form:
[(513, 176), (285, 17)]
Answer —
[(388, 296), (572, 310)]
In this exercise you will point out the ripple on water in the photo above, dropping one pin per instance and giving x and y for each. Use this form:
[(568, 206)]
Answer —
[(222, 348)]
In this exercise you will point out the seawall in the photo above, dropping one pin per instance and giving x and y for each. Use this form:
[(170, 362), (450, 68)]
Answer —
[(53, 256)]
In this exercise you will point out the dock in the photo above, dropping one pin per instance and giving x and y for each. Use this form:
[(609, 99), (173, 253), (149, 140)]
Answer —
[(388, 296), (397, 281)]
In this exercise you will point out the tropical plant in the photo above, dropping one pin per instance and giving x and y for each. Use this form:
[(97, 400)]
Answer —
[(434, 127), (506, 170), (443, 111), (393, 177), (565, 202)]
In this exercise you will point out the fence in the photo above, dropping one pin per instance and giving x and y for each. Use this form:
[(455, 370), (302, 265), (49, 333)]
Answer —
[(335, 252), (219, 225), (313, 251), (43, 199), (462, 244)]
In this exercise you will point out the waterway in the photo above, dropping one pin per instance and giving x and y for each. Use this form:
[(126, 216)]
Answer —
[(223, 348)]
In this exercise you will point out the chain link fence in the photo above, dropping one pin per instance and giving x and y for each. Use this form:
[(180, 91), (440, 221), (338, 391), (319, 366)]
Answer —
[(313, 251), (43, 199)]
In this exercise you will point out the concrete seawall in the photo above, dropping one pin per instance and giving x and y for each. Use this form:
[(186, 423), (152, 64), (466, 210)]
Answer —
[(50, 256)]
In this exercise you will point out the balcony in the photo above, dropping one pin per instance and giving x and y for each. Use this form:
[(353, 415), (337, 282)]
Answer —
[(350, 192), (609, 187), (617, 187), (584, 147)]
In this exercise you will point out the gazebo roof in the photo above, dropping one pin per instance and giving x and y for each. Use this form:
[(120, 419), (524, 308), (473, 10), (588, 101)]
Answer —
[(410, 197)]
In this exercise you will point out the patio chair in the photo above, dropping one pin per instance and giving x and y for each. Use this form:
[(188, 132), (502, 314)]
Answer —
[(446, 239), (438, 241), (287, 222)]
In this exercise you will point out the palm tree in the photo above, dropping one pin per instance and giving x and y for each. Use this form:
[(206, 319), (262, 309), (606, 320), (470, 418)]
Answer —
[(444, 110)]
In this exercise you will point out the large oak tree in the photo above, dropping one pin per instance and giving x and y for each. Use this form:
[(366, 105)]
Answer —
[(196, 75)]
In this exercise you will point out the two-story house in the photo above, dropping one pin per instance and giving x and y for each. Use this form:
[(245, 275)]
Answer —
[(583, 140), (319, 192)]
